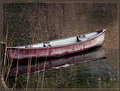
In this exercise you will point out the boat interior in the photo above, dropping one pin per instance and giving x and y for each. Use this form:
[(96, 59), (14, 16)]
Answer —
[(65, 41)]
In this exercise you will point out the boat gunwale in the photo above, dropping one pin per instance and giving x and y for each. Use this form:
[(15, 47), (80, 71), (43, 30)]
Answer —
[(103, 30)]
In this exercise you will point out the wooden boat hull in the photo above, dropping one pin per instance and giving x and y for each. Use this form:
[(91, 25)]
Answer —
[(56, 51)]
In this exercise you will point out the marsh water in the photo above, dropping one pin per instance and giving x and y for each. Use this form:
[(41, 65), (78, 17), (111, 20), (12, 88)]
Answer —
[(94, 68)]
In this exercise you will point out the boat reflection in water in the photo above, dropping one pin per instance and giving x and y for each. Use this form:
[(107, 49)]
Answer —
[(40, 64)]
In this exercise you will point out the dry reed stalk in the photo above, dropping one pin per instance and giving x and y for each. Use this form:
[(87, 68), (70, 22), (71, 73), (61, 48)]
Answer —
[(4, 62), (33, 40), (5, 54), (22, 85), (9, 62), (35, 69), (28, 72), (2, 77), (29, 68), (16, 73), (9, 70), (3, 82), (38, 77), (13, 87), (44, 71), (43, 74)]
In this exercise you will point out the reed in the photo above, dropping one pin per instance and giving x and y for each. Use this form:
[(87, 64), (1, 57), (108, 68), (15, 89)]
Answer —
[(28, 73), (3, 62), (43, 73), (38, 77)]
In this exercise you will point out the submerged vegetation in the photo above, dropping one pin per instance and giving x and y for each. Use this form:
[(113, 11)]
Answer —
[(28, 23)]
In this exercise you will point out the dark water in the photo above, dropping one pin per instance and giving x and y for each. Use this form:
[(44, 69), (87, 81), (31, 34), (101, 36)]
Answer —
[(34, 23)]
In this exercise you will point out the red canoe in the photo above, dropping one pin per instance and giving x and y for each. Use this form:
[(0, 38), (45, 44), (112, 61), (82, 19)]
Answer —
[(58, 47)]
